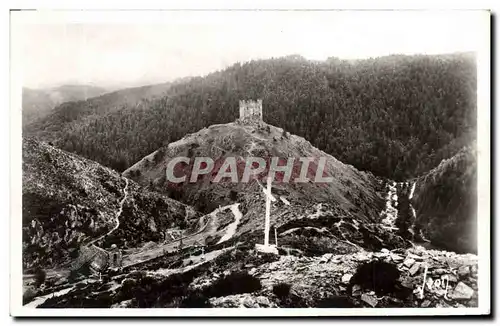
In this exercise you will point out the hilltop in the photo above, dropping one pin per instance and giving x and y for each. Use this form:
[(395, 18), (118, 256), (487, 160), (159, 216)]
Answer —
[(344, 212)]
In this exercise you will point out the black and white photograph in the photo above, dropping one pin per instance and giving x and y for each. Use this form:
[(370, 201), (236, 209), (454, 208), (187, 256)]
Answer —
[(238, 162)]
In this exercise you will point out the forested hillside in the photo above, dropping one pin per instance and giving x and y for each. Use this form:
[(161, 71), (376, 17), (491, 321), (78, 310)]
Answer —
[(396, 116)]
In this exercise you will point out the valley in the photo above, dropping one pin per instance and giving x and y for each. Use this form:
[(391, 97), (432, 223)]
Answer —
[(328, 236), (155, 196)]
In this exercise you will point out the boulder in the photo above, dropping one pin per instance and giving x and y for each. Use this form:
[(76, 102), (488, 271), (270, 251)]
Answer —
[(381, 254), (409, 262), (414, 269), (346, 278), (249, 303), (462, 292), (370, 299), (451, 278), (325, 258), (413, 256), (263, 301), (356, 290), (397, 258), (463, 271)]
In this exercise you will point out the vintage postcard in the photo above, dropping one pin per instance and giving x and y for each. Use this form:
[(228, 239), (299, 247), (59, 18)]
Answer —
[(234, 163)]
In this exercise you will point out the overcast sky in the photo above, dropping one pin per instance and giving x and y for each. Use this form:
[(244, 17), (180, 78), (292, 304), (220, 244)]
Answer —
[(118, 49)]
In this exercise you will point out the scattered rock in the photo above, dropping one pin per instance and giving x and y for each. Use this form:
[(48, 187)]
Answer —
[(439, 271), (326, 258), (409, 262), (473, 269), (363, 256), (263, 301), (346, 278), (442, 305), (425, 304), (413, 256), (414, 269), (123, 304), (248, 302), (451, 278), (407, 284), (462, 292), (371, 300), (380, 254), (463, 271), (397, 258), (356, 290)]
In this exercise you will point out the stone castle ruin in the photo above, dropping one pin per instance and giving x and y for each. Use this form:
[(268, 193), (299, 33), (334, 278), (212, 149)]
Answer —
[(251, 110)]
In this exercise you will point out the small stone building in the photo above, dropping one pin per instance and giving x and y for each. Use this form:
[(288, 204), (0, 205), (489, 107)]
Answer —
[(115, 257), (98, 259), (251, 110)]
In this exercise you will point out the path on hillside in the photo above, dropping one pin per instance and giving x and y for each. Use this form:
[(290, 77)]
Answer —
[(41, 299), (231, 228), (190, 240), (117, 215)]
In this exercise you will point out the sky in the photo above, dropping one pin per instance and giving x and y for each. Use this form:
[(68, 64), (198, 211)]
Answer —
[(127, 48)]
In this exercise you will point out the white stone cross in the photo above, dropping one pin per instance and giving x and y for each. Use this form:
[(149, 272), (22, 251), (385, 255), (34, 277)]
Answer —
[(269, 197), (268, 211)]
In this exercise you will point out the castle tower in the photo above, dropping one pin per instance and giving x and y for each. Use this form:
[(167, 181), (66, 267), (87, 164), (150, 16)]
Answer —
[(251, 110)]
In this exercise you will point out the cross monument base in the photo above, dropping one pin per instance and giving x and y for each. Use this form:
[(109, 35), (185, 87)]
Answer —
[(267, 249)]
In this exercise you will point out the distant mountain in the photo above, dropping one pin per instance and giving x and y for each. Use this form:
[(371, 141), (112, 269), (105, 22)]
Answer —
[(38, 103), (445, 201), (75, 117), (396, 116), (69, 201)]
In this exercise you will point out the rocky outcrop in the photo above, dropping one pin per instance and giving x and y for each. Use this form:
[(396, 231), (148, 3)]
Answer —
[(445, 201)]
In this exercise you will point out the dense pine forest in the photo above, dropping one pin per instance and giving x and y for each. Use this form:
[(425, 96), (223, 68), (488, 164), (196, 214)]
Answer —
[(396, 116)]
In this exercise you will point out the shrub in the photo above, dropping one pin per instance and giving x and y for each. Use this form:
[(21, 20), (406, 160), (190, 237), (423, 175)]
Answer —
[(234, 283), (378, 276), (40, 276), (336, 302), (282, 290), (195, 300)]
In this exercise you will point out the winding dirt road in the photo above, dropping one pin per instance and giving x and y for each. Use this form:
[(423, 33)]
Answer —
[(209, 228), (117, 215)]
